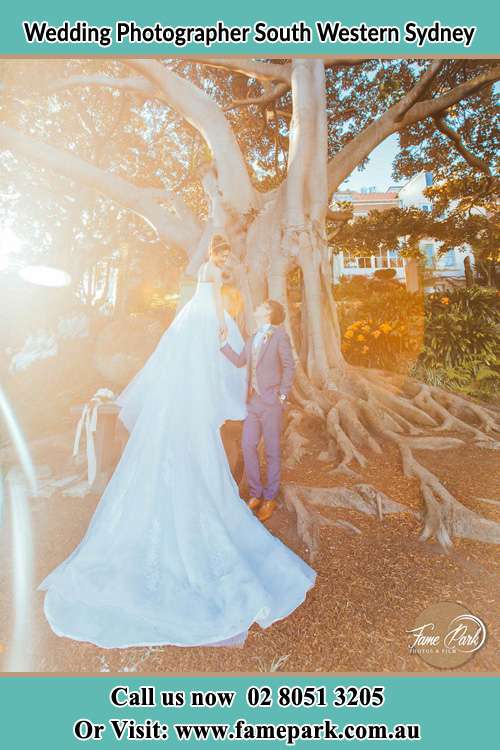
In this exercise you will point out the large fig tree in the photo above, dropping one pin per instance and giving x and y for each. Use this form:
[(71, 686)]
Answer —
[(274, 139)]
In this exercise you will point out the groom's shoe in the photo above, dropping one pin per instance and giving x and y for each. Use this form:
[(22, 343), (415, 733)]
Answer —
[(254, 503), (266, 510)]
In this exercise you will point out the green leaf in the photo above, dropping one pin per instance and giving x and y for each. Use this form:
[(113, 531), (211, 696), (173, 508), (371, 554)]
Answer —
[(486, 372)]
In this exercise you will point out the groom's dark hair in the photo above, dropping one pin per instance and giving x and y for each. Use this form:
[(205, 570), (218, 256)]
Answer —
[(277, 312)]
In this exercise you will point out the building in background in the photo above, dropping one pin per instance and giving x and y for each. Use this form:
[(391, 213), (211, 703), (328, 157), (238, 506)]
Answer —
[(447, 269), (347, 264)]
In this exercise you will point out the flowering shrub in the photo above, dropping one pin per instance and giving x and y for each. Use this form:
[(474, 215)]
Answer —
[(383, 328), (377, 344), (452, 340)]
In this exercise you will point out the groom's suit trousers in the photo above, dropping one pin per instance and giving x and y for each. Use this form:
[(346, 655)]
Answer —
[(263, 420)]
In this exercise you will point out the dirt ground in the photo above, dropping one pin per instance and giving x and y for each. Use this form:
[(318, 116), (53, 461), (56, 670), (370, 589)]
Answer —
[(370, 587)]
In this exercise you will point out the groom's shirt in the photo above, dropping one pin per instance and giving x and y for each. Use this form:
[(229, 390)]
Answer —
[(259, 336), (257, 342)]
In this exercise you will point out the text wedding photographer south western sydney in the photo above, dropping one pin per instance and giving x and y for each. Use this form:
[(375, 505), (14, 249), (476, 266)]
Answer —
[(327, 32)]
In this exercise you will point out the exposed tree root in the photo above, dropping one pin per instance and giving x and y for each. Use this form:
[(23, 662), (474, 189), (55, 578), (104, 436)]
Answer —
[(307, 502), (495, 503), (371, 408), (342, 524), (296, 443)]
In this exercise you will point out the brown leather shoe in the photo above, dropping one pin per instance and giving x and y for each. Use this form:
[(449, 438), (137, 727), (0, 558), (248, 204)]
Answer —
[(266, 510), (254, 503)]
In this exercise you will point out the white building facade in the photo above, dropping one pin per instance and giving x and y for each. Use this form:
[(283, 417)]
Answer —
[(448, 269)]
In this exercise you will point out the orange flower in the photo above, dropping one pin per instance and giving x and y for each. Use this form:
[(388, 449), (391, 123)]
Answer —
[(360, 337), (349, 334), (385, 328), (366, 329), (376, 334), (445, 300), (364, 349)]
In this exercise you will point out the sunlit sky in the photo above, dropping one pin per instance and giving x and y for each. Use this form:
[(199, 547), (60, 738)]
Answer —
[(378, 172)]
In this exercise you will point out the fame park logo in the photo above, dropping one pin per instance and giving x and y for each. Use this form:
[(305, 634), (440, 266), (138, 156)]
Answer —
[(446, 635)]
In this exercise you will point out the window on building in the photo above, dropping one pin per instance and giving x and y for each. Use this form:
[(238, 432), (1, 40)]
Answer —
[(365, 262), (349, 260), (395, 260), (448, 259), (389, 259), (428, 250)]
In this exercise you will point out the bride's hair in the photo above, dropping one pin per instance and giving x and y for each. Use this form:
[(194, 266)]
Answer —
[(218, 246)]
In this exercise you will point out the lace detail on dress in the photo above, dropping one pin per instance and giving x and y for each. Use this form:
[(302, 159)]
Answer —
[(153, 558), (222, 555)]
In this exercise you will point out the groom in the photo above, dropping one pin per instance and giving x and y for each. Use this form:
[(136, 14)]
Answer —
[(270, 364)]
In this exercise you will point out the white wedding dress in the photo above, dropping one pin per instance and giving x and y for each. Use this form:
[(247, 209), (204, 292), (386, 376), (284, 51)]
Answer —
[(172, 554)]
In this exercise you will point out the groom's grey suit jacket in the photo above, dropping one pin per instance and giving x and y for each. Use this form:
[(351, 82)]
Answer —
[(275, 364)]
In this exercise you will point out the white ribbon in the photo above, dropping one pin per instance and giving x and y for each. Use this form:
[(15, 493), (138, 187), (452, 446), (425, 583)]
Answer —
[(88, 420)]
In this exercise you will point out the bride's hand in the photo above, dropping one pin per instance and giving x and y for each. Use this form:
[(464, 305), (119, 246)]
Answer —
[(223, 332)]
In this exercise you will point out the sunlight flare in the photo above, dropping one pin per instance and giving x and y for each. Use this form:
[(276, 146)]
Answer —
[(45, 276)]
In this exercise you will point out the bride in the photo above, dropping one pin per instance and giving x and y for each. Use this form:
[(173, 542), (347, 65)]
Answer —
[(172, 554)]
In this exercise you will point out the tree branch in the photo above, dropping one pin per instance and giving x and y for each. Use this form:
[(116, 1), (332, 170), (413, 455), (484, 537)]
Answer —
[(341, 165), (271, 94), (361, 146), (430, 107), (469, 157), (180, 233), (135, 85), (418, 90), (166, 197), (338, 62), (207, 117), (250, 68), (157, 82)]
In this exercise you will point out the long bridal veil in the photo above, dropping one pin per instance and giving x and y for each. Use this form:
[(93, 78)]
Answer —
[(172, 554)]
